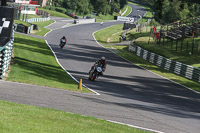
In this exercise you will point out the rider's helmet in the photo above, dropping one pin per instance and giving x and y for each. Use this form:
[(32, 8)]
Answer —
[(103, 58)]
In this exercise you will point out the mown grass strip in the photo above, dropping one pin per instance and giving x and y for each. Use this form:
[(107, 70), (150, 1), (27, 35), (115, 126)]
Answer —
[(41, 27), (54, 13), (171, 53), (21, 118), (22, 22), (137, 60), (28, 16), (141, 40), (128, 11), (111, 34), (34, 63), (107, 17)]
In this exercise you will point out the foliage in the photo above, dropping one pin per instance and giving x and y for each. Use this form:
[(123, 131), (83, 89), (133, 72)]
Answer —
[(168, 11), (54, 13), (41, 30), (86, 6), (60, 9), (34, 63)]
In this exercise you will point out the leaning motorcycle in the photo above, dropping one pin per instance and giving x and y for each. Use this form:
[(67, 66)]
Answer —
[(62, 43), (95, 72)]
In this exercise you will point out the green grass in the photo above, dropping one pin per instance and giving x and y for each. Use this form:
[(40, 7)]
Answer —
[(29, 16), (107, 17), (137, 60), (142, 40), (128, 11), (19, 118), (168, 52), (22, 22), (54, 13), (41, 30), (115, 31), (34, 63), (124, 8), (147, 15), (112, 32)]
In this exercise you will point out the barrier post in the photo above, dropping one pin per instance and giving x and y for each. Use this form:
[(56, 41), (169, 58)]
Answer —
[(80, 85)]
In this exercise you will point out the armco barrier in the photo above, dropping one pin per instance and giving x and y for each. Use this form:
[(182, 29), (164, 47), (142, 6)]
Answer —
[(178, 68), (5, 57), (37, 19), (84, 21)]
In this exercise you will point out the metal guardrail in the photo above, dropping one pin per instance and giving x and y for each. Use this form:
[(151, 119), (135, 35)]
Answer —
[(178, 68), (37, 20), (5, 57)]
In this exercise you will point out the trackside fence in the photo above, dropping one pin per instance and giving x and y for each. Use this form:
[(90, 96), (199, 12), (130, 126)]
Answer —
[(37, 20), (178, 68), (5, 56)]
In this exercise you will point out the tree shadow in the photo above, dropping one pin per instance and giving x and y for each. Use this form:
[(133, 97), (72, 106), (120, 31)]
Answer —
[(43, 70), (85, 53), (33, 46), (158, 95)]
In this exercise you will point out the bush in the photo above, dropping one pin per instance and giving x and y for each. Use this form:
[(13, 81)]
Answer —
[(60, 9), (153, 22), (53, 8)]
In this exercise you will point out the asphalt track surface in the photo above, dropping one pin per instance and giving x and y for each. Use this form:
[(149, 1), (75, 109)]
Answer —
[(128, 94)]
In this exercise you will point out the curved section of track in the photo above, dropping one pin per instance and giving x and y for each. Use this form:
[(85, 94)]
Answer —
[(129, 94)]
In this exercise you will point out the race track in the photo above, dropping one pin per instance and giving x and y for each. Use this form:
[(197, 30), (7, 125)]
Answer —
[(128, 93)]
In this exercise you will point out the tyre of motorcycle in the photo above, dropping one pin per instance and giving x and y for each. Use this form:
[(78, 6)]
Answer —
[(93, 76), (62, 45)]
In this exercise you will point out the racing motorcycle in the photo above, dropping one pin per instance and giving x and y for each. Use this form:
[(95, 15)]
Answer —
[(95, 72), (62, 43)]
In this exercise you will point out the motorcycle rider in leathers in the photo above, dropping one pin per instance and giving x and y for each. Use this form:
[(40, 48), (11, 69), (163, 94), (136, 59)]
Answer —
[(63, 40), (101, 61)]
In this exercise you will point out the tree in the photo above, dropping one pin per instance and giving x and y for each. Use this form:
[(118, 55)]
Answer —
[(158, 9), (101, 6), (115, 6), (97, 6), (123, 3), (82, 6)]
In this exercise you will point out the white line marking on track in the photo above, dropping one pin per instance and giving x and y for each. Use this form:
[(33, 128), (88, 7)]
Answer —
[(143, 67), (67, 71), (146, 129)]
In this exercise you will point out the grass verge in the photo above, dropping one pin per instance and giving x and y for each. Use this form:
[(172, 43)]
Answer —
[(21, 118), (105, 18), (22, 22), (147, 15), (34, 63), (41, 26), (171, 53), (128, 11), (29, 16), (142, 40), (41, 30), (110, 34), (140, 62), (54, 13)]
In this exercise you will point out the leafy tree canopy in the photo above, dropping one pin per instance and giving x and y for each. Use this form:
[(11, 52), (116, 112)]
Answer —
[(87, 6)]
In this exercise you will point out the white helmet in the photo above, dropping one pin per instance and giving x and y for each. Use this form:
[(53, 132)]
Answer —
[(103, 58)]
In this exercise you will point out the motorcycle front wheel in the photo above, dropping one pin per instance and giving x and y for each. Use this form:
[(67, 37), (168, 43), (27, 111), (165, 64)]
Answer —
[(92, 76)]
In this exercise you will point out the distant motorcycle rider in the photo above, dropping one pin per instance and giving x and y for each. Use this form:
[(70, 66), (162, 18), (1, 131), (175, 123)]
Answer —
[(102, 61), (63, 41)]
